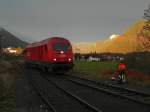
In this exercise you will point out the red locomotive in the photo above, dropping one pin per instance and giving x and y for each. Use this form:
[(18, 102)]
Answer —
[(53, 53)]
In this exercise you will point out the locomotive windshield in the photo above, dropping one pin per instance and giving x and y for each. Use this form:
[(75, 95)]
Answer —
[(61, 47)]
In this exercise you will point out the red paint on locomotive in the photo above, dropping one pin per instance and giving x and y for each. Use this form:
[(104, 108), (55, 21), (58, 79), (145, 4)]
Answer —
[(55, 52)]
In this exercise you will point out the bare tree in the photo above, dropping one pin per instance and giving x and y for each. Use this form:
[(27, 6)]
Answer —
[(147, 13)]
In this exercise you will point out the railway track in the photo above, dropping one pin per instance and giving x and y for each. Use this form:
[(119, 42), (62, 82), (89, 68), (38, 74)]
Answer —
[(59, 99), (130, 94), (41, 95), (65, 95)]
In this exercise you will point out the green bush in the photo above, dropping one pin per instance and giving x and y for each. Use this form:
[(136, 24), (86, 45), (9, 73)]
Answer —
[(139, 61)]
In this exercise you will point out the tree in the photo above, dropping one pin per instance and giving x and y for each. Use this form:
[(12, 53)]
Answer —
[(145, 32)]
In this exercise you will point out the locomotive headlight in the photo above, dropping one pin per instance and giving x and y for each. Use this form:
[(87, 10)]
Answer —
[(62, 52), (54, 59), (69, 59)]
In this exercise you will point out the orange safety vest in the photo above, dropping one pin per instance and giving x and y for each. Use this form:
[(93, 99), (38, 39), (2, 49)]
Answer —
[(122, 66)]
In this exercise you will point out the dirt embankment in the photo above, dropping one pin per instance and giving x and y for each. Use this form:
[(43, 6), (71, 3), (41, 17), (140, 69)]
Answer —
[(8, 74)]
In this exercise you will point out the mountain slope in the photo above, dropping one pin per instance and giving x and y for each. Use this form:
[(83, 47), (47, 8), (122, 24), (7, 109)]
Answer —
[(129, 41), (9, 40), (84, 47)]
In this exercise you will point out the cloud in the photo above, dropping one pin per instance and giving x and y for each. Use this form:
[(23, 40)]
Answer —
[(114, 36)]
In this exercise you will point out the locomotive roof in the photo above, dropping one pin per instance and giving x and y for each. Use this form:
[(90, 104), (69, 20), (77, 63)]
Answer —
[(45, 41)]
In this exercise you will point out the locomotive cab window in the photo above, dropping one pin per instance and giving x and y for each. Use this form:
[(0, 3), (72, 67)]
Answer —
[(61, 47)]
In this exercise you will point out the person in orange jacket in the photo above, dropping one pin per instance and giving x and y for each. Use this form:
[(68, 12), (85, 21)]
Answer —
[(122, 71)]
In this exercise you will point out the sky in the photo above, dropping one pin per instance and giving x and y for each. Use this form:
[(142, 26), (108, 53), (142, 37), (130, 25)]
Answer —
[(76, 20)]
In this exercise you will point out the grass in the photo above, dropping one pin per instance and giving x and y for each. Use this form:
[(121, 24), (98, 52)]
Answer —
[(105, 70), (7, 86), (94, 69)]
